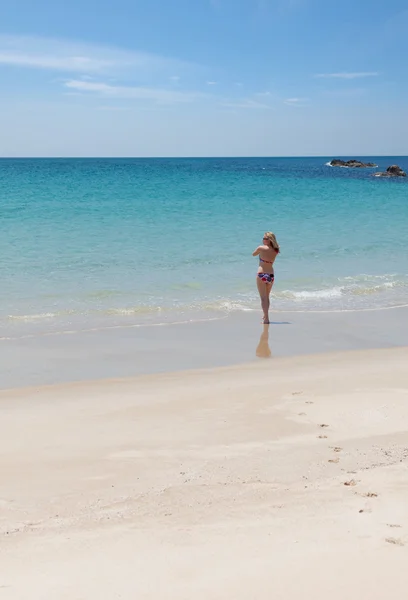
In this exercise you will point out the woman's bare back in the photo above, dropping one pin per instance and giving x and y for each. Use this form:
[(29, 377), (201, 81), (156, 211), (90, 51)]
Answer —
[(267, 257)]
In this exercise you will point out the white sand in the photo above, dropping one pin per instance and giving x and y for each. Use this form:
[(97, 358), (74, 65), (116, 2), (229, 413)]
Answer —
[(210, 485)]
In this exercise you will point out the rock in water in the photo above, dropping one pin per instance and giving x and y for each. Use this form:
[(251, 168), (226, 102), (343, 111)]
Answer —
[(396, 171), (351, 164), (393, 171)]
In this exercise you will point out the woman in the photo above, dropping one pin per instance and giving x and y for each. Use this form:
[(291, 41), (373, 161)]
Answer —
[(265, 277)]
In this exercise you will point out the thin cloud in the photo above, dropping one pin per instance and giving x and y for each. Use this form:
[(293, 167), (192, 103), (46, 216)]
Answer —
[(157, 95), (75, 64), (211, 83), (347, 75), (296, 101), (79, 58)]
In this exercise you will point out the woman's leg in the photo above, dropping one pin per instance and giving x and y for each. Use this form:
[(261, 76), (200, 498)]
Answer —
[(268, 287), (264, 290)]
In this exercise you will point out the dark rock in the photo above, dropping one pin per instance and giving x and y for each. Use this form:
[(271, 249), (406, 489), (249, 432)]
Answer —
[(393, 171), (351, 164), (396, 171)]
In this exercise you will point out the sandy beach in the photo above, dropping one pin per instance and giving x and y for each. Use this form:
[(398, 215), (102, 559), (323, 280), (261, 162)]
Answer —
[(204, 300), (282, 479)]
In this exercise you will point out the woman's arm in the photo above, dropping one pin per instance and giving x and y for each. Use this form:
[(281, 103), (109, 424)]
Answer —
[(257, 251)]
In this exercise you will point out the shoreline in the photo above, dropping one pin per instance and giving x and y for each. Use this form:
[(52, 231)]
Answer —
[(235, 339), (303, 360), (65, 322), (223, 315), (270, 478)]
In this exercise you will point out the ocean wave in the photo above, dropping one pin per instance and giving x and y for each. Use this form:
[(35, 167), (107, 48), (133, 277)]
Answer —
[(357, 292), (129, 311), (334, 292), (366, 277), (367, 291), (229, 306), (354, 286), (36, 317)]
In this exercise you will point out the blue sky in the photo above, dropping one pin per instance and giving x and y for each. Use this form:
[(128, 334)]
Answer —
[(203, 77)]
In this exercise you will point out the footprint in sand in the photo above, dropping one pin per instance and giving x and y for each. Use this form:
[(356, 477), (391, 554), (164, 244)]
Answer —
[(395, 541), (323, 425), (350, 483), (334, 460), (370, 495), (394, 526), (322, 437)]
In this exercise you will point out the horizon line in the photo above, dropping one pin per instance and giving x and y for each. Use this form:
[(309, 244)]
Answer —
[(223, 156)]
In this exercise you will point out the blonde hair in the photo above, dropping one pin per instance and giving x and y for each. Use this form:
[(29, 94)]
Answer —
[(272, 239)]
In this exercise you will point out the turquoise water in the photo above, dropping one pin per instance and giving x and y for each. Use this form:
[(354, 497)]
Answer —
[(91, 243)]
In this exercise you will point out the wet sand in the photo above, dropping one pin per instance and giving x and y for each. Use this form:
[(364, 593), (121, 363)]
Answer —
[(239, 338)]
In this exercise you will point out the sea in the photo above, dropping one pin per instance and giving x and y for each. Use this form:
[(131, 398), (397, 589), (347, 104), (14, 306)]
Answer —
[(89, 244)]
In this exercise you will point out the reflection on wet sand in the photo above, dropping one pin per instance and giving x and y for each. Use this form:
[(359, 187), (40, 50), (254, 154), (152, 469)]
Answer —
[(263, 350)]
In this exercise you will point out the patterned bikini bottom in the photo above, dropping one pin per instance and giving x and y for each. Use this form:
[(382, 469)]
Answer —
[(266, 277)]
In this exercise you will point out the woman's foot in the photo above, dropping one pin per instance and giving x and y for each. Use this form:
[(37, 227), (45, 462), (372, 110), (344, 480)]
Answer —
[(265, 321)]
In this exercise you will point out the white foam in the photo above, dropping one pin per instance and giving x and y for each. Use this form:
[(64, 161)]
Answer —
[(133, 310), (334, 292), (27, 318), (231, 306), (365, 277)]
